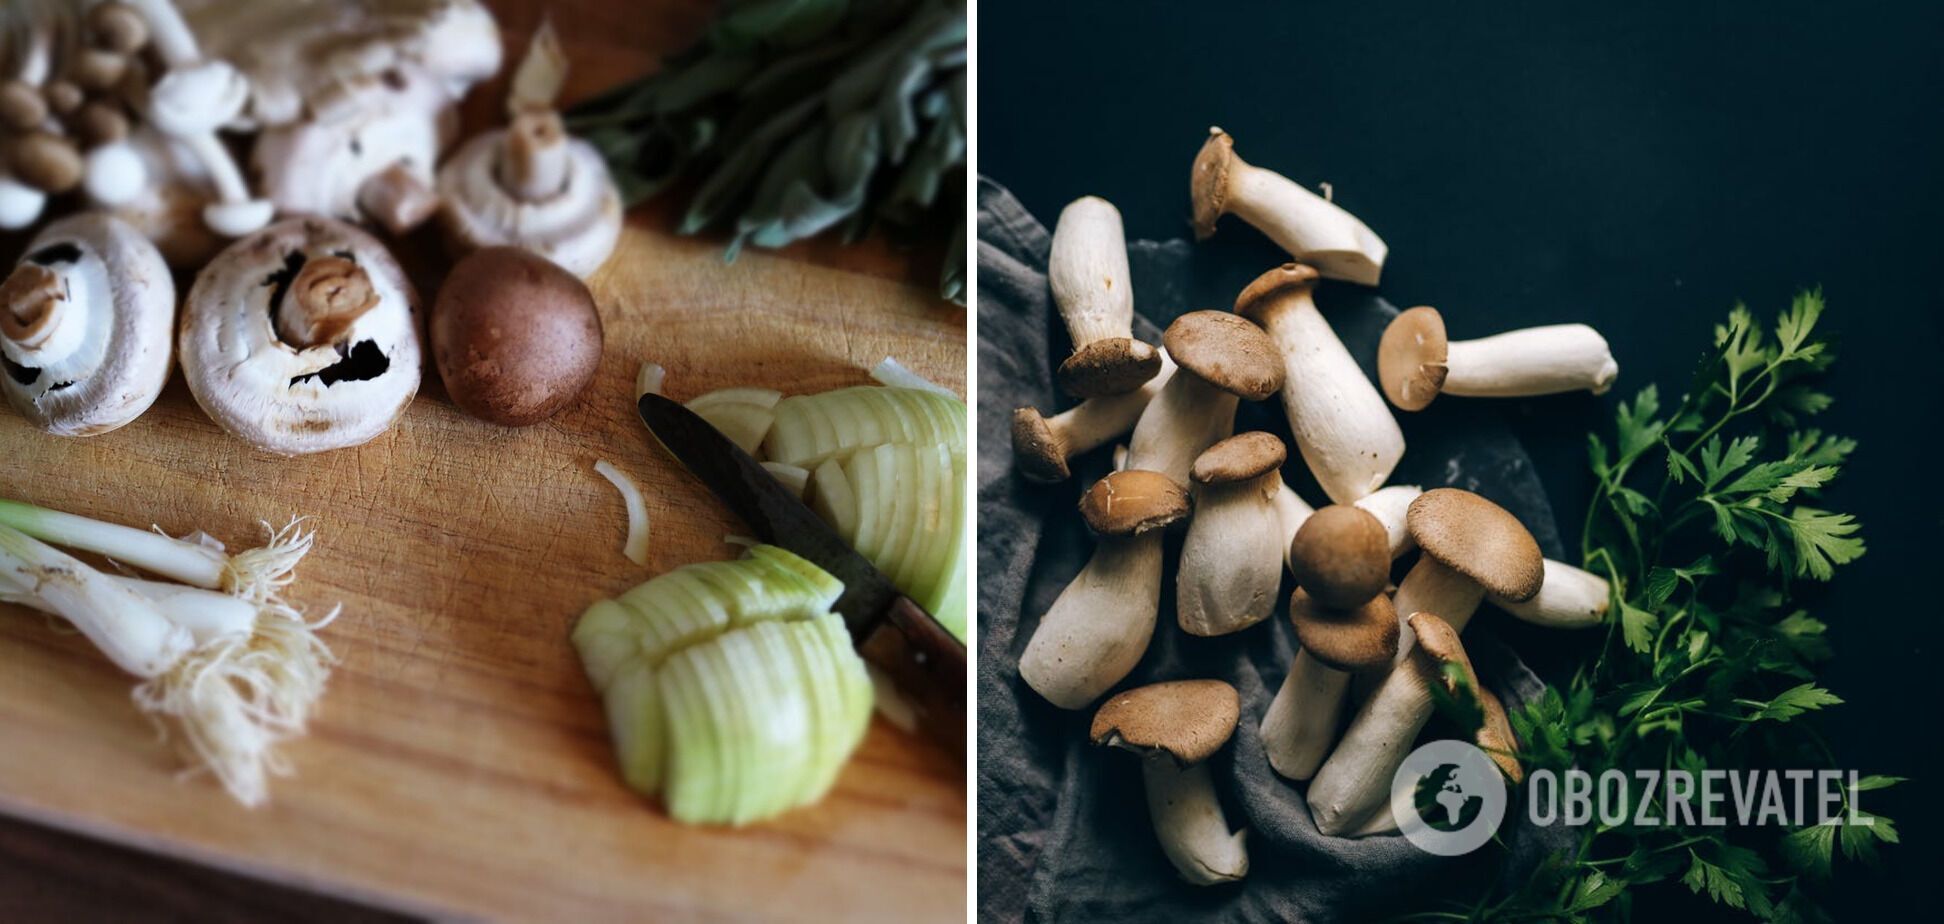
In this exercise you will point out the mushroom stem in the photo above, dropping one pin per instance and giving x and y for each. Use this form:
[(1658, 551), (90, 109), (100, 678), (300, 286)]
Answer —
[(1227, 577), (1313, 229), (1042, 445), (1291, 513), (1355, 781), (168, 32), (1534, 361), (1342, 426), (1098, 628), (1433, 587), (1571, 598), (1300, 725), (1189, 822), (42, 318), (398, 199), (536, 159), (327, 297), (1186, 417)]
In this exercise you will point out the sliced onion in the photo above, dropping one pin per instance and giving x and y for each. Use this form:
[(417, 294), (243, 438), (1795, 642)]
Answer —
[(636, 547), (648, 381), (789, 476), (810, 429), (893, 373)]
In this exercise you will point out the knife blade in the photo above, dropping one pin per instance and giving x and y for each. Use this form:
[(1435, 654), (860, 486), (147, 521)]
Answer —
[(920, 656)]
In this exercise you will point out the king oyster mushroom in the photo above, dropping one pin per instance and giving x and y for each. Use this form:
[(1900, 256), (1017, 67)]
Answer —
[(302, 337), (1042, 445), (1332, 644), (1221, 359), (1344, 431), (1568, 598), (85, 322), (1390, 505), (367, 155), (1471, 547), (1313, 229), (1087, 270), (1098, 628), (1416, 363), (1227, 579), (1176, 727)]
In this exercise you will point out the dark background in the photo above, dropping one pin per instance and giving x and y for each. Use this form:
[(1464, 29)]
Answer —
[(1640, 169)]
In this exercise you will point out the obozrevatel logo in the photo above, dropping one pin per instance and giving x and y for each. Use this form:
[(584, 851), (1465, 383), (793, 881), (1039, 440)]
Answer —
[(1448, 798)]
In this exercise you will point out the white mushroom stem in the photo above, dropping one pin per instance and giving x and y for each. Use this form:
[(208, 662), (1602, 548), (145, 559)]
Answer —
[(1097, 630), (1300, 725), (169, 33), (1228, 575), (189, 104), (1342, 426), (327, 296), (1389, 505), (1433, 587), (1570, 598), (1088, 272), (44, 316), (1354, 783), (398, 198), (1534, 361), (1186, 417), (1311, 228), (1188, 821), (535, 162), (1086, 426), (1291, 513)]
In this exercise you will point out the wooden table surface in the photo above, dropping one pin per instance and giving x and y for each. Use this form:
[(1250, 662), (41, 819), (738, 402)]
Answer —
[(460, 765)]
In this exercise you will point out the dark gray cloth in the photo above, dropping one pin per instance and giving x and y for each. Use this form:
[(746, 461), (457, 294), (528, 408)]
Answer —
[(1063, 829)]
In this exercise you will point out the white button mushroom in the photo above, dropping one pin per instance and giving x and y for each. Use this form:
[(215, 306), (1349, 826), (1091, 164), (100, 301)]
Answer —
[(1042, 445), (302, 338), (1301, 722), (1313, 229), (1222, 359), (367, 157), (1416, 363), (1098, 628), (532, 186), (85, 324), (1176, 727), (1343, 430), (1228, 576), (1087, 270)]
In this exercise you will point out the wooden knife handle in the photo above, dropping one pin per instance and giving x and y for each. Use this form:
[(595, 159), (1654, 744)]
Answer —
[(928, 666)]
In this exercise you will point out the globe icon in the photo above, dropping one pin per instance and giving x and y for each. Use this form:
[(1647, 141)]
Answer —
[(1442, 801)]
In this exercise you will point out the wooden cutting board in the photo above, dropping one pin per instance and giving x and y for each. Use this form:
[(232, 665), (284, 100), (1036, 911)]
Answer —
[(460, 765)]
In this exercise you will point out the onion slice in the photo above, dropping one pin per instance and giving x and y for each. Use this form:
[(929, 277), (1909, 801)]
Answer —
[(791, 476), (649, 380), (893, 373), (636, 547)]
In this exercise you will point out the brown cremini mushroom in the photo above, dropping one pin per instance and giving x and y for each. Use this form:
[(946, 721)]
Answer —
[(1416, 363), (1087, 270), (515, 336), (1229, 574), (1176, 727)]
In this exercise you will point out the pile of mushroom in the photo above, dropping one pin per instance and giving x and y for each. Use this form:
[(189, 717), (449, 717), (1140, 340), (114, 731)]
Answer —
[(1361, 644)]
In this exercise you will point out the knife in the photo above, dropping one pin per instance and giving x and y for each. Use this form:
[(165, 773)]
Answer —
[(923, 660)]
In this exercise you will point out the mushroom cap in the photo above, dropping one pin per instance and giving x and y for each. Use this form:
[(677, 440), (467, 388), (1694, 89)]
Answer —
[(515, 336), (576, 227), (1189, 719), (1241, 457), (1039, 453), (1437, 645), (1411, 358), (1341, 555), (1478, 539), (292, 401), (197, 98), (1356, 639), (1270, 287), (1128, 503), (124, 357), (1209, 184), (1495, 736), (1227, 352), (318, 166), (1110, 366)]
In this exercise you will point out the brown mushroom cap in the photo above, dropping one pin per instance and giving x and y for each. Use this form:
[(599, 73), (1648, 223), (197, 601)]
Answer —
[(1039, 453), (516, 336), (1356, 639), (1495, 736), (1437, 645), (1189, 719), (1241, 457), (1479, 540), (1209, 184), (1132, 502), (1113, 366), (1411, 358), (1341, 555), (1270, 287), (1227, 352)]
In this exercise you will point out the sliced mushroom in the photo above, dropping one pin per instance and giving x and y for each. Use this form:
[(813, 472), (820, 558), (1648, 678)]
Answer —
[(1344, 431), (1222, 359), (368, 157), (1301, 722), (1471, 547), (85, 323), (1098, 628), (1569, 598), (1229, 570), (302, 338), (532, 186), (1087, 270), (1313, 229), (1042, 445), (1416, 363), (1176, 727)]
